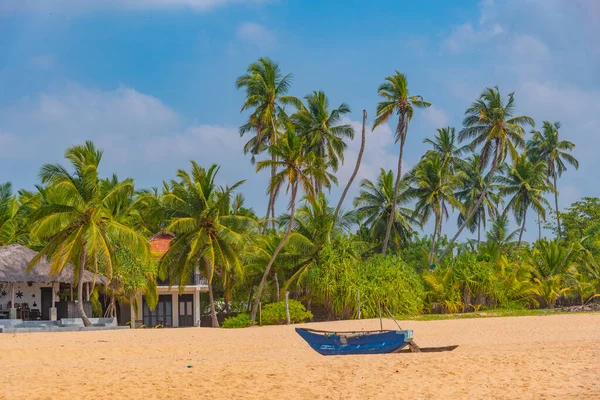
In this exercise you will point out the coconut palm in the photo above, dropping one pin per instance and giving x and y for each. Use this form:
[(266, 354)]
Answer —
[(445, 145), (433, 186), (266, 94), (397, 99), (322, 130), (76, 220), (491, 126), (356, 168), (527, 183), (548, 146), (13, 227), (205, 236), (374, 208), (499, 235), (474, 182), (299, 170)]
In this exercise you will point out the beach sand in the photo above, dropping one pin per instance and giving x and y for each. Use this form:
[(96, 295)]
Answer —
[(545, 357)]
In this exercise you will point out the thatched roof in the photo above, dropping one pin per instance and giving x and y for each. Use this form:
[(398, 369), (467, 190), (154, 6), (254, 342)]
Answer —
[(15, 258)]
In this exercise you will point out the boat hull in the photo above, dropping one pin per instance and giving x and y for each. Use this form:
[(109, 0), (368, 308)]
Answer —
[(344, 343)]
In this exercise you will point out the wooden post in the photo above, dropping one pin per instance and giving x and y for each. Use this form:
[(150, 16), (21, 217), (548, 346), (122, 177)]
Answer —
[(53, 311), (358, 302), (287, 307), (260, 313), (12, 312), (71, 286)]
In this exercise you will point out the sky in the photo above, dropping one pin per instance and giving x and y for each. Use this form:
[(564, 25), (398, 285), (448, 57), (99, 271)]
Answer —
[(152, 81)]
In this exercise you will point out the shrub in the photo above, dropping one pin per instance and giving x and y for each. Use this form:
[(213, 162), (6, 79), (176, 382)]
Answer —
[(239, 321), (274, 313)]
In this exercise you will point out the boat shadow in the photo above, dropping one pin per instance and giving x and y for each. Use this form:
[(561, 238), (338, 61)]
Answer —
[(431, 349)]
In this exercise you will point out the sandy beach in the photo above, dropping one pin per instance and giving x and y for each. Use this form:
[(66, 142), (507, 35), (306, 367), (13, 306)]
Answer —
[(497, 358)]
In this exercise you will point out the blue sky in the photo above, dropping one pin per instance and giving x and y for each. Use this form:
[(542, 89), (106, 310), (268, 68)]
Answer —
[(152, 81)]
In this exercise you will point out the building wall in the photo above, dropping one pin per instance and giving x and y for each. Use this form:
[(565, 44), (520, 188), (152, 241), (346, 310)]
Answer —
[(24, 293)]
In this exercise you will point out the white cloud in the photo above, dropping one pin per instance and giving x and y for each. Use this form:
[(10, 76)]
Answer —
[(467, 36), (256, 35), (74, 6), (436, 117)]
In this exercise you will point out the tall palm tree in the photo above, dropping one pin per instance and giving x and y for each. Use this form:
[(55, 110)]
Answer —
[(75, 218), (499, 235), (204, 237), (322, 130), (491, 125), (266, 94), (526, 181), (433, 186), (13, 228), (397, 99), (299, 170), (548, 146), (374, 208), (474, 182), (356, 167)]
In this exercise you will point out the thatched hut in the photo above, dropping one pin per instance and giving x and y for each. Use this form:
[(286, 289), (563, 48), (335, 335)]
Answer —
[(34, 291)]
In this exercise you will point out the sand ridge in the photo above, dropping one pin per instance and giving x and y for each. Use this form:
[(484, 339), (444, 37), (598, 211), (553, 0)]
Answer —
[(549, 357)]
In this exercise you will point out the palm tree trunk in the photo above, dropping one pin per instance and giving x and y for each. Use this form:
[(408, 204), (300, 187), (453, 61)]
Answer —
[(556, 206), (358, 160), (273, 171), (392, 216), (275, 253), (250, 298), (523, 224), (433, 238), (82, 260), (475, 207), (211, 299), (539, 227), (276, 280), (479, 230)]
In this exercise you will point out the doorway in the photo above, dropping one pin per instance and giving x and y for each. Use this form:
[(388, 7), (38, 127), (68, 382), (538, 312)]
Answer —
[(186, 310), (46, 302)]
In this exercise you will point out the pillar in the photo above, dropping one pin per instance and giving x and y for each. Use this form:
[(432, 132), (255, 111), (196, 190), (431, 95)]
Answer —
[(12, 311), (197, 307), (175, 309), (140, 307), (132, 312), (53, 311)]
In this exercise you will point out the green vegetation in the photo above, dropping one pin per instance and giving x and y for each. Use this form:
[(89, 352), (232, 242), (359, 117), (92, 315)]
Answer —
[(486, 174)]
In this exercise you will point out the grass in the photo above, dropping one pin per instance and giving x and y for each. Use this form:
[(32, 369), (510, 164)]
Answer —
[(486, 314)]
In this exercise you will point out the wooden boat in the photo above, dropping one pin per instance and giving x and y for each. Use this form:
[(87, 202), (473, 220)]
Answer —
[(359, 342)]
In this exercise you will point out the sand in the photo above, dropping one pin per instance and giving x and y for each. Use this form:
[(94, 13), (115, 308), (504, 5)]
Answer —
[(498, 358)]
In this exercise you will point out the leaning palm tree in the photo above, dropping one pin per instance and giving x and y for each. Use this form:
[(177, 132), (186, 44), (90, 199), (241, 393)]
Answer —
[(356, 167), (474, 182), (75, 219), (266, 94), (548, 146), (397, 99), (490, 125), (527, 183), (204, 237), (322, 130), (433, 186), (374, 209), (299, 170)]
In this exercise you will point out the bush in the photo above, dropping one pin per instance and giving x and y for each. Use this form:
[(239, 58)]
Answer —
[(239, 321), (274, 313)]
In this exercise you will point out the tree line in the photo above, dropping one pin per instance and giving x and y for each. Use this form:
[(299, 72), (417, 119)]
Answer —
[(496, 166)]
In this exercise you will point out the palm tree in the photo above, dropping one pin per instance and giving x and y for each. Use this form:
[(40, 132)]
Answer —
[(474, 182), (444, 144), (499, 234), (526, 181), (356, 168), (433, 187), (298, 169), (490, 123), (12, 224), (397, 99), (322, 131), (266, 94), (75, 218), (374, 204), (204, 237), (548, 146)]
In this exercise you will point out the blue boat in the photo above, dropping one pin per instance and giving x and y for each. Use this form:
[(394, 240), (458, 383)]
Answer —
[(360, 342)]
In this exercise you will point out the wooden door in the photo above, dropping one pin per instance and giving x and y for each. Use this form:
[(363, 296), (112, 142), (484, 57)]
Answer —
[(46, 302), (186, 310)]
